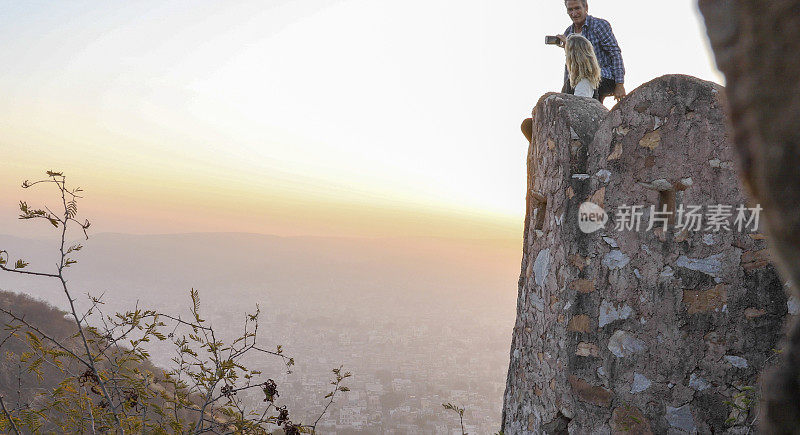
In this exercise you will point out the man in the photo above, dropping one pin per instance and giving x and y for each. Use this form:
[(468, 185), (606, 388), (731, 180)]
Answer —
[(608, 53)]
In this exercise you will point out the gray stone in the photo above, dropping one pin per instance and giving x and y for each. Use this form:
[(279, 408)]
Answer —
[(708, 239), (736, 361), (698, 383), (611, 242), (640, 383), (662, 184), (793, 305), (603, 175), (537, 302), (541, 267), (623, 344), (615, 259), (667, 272), (609, 313), (711, 265), (681, 418)]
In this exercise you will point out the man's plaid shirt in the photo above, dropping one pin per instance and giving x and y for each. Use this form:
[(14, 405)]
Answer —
[(609, 55)]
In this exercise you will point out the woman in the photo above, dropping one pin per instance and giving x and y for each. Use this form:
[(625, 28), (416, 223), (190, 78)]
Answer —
[(583, 70), (582, 66)]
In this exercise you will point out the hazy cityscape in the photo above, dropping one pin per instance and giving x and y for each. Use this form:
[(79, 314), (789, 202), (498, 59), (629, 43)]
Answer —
[(418, 322)]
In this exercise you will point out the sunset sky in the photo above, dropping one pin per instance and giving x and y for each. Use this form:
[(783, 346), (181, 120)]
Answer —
[(304, 117)]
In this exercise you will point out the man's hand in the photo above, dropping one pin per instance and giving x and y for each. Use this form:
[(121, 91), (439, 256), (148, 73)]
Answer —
[(619, 91), (563, 40)]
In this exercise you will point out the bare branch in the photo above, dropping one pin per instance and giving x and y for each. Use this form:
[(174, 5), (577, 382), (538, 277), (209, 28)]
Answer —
[(8, 416)]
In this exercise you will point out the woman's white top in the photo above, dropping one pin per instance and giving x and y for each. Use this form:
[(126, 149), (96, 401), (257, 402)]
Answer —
[(584, 89)]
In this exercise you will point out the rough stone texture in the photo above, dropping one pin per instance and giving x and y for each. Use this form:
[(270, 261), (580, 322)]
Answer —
[(660, 324), (756, 45)]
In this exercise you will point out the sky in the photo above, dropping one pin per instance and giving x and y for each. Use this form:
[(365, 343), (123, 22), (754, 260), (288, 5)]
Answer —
[(366, 118)]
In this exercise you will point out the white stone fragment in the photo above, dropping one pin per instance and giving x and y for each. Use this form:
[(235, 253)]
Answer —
[(609, 313), (661, 184), (637, 273), (711, 265), (681, 418), (580, 176), (793, 305), (541, 267), (611, 242), (687, 181), (736, 361), (603, 175), (537, 302), (640, 383), (698, 383), (623, 344), (714, 163), (667, 272), (708, 239), (615, 259)]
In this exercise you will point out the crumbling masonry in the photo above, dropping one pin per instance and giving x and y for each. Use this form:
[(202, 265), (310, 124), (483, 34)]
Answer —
[(647, 331)]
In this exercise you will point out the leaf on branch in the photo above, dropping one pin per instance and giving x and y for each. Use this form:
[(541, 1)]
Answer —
[(72, 209), (20, 264), (55, 174), (195, 300)]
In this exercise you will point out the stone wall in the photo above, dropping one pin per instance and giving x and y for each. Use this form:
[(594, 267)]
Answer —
[(638, 331)]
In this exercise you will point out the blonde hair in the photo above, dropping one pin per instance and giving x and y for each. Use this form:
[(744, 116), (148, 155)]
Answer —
[(581, 61)]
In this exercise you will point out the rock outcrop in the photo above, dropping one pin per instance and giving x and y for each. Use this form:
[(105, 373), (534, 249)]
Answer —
[(756, 45), (659, 329)]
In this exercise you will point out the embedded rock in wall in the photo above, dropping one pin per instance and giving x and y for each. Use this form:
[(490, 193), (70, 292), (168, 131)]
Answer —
[(652, 323)]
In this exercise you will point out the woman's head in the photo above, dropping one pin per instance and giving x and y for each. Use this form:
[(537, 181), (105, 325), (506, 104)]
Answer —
[(581, 61)]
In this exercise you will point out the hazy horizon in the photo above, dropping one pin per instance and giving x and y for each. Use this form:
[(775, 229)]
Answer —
[(323, 117)]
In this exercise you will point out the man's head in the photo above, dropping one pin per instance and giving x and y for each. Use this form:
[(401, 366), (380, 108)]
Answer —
[(577, 10)]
